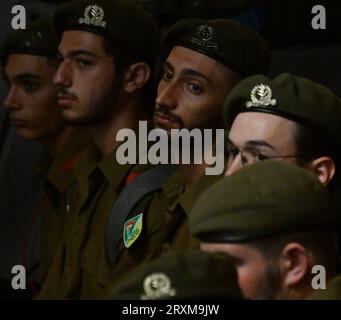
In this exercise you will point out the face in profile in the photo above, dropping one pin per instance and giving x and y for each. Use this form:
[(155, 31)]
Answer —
[(32, 96), (86, 78), (257, 278)]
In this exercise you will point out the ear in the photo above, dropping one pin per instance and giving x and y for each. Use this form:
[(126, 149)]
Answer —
[(323, 168), (295, 264), (136, 77)]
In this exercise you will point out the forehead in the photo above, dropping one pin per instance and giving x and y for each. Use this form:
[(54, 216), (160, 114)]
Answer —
[(260, 126), (74, 40), (25, 63), (183, 58)]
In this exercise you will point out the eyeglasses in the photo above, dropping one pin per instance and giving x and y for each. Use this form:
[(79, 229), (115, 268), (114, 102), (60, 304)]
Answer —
[(250, 156)]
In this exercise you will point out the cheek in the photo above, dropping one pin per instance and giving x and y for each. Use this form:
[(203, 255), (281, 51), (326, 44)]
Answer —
[(251, 279)]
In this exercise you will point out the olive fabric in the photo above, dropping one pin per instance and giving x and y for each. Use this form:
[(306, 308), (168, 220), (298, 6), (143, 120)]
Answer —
[(181, 275), (332, 291), (291, 97), (226, 41), (54, 203), (120, 20), (81, 269), (265, 199), (39, 39)]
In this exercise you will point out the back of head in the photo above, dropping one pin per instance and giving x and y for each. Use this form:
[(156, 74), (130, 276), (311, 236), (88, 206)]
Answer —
[(265, 199)]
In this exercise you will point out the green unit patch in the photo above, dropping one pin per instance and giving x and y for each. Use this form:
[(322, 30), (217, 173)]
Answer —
[(132, 230)]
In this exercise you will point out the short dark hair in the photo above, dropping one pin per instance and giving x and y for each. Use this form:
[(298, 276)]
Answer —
[(124, 56), (321, 243), (311, 145)]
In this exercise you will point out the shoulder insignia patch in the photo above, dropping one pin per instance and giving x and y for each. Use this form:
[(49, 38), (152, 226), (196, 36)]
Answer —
[(132, 230)]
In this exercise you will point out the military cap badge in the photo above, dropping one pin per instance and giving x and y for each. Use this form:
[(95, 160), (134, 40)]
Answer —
[(93, 15), (157, 286), (205, 36), (261, 96)]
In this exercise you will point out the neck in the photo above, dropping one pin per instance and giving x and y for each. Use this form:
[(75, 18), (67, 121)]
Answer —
[(193, 172), (104, 133), (54, 142)]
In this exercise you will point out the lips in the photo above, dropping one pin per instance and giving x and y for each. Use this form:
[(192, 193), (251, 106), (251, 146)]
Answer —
[(18, 122), (65, 100)]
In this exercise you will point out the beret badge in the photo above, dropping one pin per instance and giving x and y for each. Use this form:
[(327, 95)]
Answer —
[(261, 96), (205, 36), (157, 286), (93, 15)]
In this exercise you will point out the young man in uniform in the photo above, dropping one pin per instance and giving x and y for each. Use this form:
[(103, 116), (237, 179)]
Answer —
[(29, 60), (107, 53), (205, 59), (276, 222)]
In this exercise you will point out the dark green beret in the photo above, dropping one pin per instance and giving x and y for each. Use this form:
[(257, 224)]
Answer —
[(232, 44), (119, 20), (182, 275), (291, 97), (264, 199), (39, 38)]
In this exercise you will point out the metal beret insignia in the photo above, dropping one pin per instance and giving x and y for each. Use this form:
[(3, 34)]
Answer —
[(261, 96), (157, 286), (205, 36), (93, 15)]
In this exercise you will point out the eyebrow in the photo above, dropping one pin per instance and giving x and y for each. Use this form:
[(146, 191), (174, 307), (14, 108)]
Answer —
[(260, 143), (75, 53), (186, 72), (255, 143), (25, 76)]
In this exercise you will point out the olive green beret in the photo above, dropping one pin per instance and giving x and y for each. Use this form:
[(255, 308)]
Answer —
[(120, 20), (291, 97), (182, 275), (39, 38), (264, 199), (228, 42)]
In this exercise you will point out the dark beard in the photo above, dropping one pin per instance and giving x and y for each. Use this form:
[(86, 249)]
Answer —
[(271, 285)]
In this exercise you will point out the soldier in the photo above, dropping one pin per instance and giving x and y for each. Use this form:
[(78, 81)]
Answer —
[(288, 118), (182, 276), (205, 59), (107, 52), (275, 220), (29, 60)]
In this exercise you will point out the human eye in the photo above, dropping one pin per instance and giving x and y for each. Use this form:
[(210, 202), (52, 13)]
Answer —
[(195, 87), (83, 62), (30, 86), (167, 75)]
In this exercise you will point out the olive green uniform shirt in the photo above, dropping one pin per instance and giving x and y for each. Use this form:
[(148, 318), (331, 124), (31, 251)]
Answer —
[(52, 205), (332, 291)]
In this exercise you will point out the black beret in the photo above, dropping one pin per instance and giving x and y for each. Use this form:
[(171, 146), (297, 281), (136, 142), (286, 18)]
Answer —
[(39, 38), (230, 43), (291, 97), (265, 199), (119, 20), (182, 275)]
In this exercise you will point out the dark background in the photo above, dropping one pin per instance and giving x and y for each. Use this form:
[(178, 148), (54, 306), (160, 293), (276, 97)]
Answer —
[(285, 24)]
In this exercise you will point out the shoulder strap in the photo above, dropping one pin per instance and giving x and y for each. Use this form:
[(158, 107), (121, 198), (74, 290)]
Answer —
[(146, 183)]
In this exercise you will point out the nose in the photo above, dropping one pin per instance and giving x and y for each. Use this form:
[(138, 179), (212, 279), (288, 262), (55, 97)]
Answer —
[(62, 77), (11, 101), (166, 95), (234, 165)]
